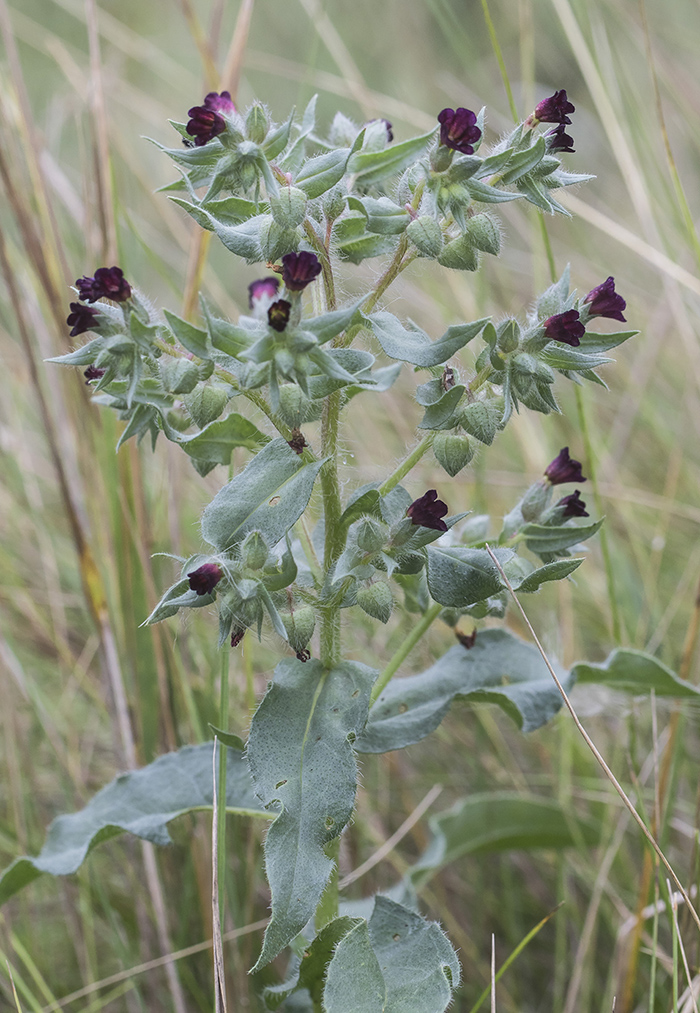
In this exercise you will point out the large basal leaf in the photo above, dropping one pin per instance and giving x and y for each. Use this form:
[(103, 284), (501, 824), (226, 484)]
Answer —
[(499, 821), (500, 668), (269, 496), (396, 963), (458, 577), (635, 672), (303, 764), (414, 345), (142, 803)]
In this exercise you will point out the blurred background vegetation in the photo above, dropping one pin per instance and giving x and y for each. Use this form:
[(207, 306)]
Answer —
[(80, 87)]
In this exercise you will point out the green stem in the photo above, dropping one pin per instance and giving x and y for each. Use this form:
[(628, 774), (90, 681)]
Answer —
[(326, 267), (604, 544), (392, 272), (406, 647), (408, 462), (221, 787), (499, 58), (549, 252), (332, 509)]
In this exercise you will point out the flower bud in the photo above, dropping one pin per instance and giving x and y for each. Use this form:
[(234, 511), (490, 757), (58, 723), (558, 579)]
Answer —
[(453, 452), (204, 579), (376, 600), (254, 551), (371, 534), (426, 235), (299, 625), (535, 501), (257, 123), (508, 336), (289, 207)]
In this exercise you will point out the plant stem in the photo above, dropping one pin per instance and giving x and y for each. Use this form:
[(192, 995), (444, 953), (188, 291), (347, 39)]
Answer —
[(408, 462), (604, 544), (405, 649), (397, 265), (326, 268), (333, 546), (221, 786)]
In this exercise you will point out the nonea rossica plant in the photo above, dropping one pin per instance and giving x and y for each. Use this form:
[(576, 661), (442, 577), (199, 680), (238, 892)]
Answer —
[(285, 553)]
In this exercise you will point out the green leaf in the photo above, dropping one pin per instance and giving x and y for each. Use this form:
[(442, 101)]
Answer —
[(570, 358), (311, 973), (500, 821), (234, 210), (244, 240), (486, 194), (81, 356), (396, 963), (461, 577), (522, 162), (192, 338), (541, 538), (179, 595), (553, 300), (359, 248), (269, 496), (635, 672), (384, 216), (557, 570), (329, 325), (217, 440), (142, 803), (375, 166), (414, 345), (322, 172), (500, 668), (302, 762), (364, 501), (596, 343), (439, 415)]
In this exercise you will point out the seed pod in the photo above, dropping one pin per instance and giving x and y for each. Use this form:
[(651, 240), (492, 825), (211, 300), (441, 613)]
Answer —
[(376, 600), (289, 207), (460, 255), (426, 235), (453, 452), (371, 534), (295, 408), (254, 551), (299, 625), (205, 403), (484, 234)]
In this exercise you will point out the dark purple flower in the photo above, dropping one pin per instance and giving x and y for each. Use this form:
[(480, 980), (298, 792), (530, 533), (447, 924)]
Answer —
[(604, 301), (205, 122), (458, 130), (428, 511), (554, 109), (299, 270), (573, 505), (467, 640), (565, 327), (93, 373), (236, 637), (204, 579), (263, 288), (278, 314), (108, 283), (559, 140), (297, 442), (82, 318), (563, 469), (389, 131)]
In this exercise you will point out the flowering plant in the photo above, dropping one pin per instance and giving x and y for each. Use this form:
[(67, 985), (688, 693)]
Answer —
[(284, 552)]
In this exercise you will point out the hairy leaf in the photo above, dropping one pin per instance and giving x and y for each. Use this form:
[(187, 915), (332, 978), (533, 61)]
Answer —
[(414, 345), (142, 803), (459, 577), (303, 764), (500, 668), (374, 166), (635, 672)]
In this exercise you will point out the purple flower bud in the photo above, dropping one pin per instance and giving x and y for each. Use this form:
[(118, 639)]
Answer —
[(93, 373), (108, 283), (563, 469), (554, 109), (604, 301), (389, 131), (82, 318), (278, 314), (204, 579), (458, 130), (428, 511), (299, 270), (565, 327), (236, 637), (205, 122), (573, 505), (263, 288), (559, 140)]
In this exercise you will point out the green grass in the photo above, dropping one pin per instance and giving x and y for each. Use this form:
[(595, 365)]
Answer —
[(59, 740)]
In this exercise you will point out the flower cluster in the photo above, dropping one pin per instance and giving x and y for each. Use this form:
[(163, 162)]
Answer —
[(107, 283), (205, 121)]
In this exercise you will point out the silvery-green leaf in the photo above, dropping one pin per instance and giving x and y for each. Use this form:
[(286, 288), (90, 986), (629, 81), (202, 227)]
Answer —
[(269, 496), (329, 325), (322, 172), (369, 244), (543, 538), (440, 414), (311, 970), (552, 301), (304, 767), (190, 337), (384, 216), (595, 344), (354, 980), (635, 672), (217, 440), (562, 357), (142, 803), (500, 669), (533, 580), (375, 166), (178, 596), (459, 577), (414, 345), (522, 162), (81, 356)]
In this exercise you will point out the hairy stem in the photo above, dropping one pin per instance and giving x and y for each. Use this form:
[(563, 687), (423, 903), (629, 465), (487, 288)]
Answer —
[(397, 265), (221, 786), (405, 649), (408, 462)]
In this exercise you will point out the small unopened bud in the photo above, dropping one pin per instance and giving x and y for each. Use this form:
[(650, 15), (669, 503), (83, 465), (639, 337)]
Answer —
[(426, 235), (257, 123), (289, 207), (508, 336), (334, 203), (299, 625), (254, 551), (535, 501), (376, 600), (453, 452), (371, 534)]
